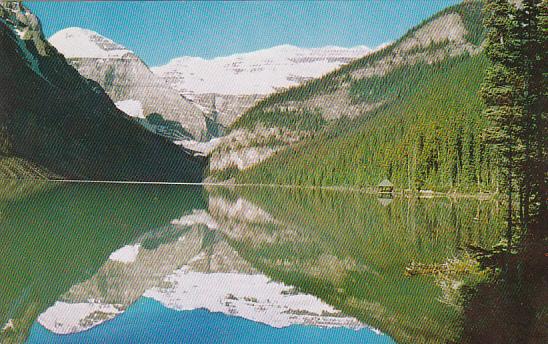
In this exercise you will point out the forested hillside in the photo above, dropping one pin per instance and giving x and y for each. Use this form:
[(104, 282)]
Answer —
[(410, 112), (430, 137)]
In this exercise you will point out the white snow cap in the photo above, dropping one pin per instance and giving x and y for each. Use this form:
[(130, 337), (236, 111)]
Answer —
[(259, 72), (66, 318), (126, 254), (75, 42)]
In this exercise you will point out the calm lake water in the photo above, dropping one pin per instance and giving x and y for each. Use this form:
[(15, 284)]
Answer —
[(143, 263)]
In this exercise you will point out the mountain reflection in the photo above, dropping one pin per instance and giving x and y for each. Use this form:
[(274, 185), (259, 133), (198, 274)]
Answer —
[(276, 256), (57, 235)]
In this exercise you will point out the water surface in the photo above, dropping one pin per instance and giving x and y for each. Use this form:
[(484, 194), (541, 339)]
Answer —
[(147, 321), (154, 263)]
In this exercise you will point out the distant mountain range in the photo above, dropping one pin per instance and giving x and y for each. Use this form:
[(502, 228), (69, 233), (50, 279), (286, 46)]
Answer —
[(233, 84), (190, 89), (54, 123), (260, 72)]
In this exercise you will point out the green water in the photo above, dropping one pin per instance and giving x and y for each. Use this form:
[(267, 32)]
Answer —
[(349, 249)]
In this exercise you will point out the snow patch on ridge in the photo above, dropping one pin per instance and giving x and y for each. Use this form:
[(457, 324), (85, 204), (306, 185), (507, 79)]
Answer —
[(65, 318), (126, 254), (259, 72), (196, 218), (253, 297), (204, 148), (133, 108)]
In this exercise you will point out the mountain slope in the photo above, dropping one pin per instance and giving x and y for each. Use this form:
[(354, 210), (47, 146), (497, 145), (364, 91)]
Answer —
[(125, 77), (450, 33), (232, 84), (409, 112), (54, 120), (430, 139)]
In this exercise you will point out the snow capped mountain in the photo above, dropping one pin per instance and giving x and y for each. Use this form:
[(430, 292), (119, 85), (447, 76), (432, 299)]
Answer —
[(56, 124), (76, 42), (188, 87), (127, 79), (260, 72)]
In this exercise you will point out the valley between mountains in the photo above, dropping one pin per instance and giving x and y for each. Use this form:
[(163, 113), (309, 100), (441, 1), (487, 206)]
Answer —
[(408, 111), (390, 193)]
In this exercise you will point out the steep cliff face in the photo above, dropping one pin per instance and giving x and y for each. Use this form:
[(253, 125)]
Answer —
[(58, 121), (228, 106), (125, 77)]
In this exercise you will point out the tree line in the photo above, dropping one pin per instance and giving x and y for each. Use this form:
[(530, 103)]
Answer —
[(514, 91)]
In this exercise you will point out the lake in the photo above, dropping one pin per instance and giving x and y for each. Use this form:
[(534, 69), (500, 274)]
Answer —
[(162, 263)]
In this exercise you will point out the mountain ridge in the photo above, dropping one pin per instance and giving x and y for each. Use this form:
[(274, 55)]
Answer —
[(76, 42), (60, 122), (282, 56), (230, 85), (375, 118), (126, 77)]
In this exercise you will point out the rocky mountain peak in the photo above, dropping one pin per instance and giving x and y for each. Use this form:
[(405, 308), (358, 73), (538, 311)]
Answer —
[(19, 16), (75, 42), (127, 79), (26, 24)]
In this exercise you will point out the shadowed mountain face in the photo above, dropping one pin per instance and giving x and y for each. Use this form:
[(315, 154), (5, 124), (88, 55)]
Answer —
[(125, 77), (64, 125)]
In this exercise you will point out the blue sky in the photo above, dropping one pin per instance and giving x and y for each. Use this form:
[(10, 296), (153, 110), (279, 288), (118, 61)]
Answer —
[(161, 30)]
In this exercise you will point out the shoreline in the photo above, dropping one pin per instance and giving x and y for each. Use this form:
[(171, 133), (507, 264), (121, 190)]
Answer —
[(424, 194)]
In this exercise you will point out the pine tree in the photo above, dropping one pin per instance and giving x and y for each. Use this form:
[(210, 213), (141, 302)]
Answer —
[(500, 92), (515, 93), (532, 40)]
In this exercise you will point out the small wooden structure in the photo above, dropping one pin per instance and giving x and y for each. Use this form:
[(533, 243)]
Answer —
[(386, 187)]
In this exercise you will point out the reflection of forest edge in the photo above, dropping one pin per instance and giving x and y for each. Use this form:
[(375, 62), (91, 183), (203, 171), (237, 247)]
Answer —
[(351, 250)]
